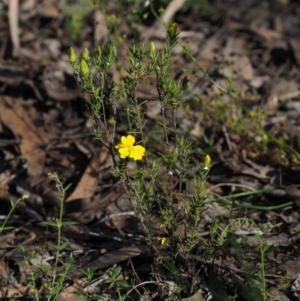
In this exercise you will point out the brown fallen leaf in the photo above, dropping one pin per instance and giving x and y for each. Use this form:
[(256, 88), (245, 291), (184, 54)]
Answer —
[(216, 286), (89, 181), (3, 272), (55, 83), (47, 9), (5, 177), (112, 258), (68, 294), (196, 297), (19, 116), (14, 291), (242, 67), (86, 209)]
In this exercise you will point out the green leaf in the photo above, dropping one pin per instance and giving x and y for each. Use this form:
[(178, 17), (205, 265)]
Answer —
[(95, 298), (80, 294), (91, 298), (55, 290), (68, 223), (6, 228), (259, 275), (61, 247), (122, 283), (44, 268), (184, 83), (116, 272), (67, 187), (49, 223), (20, 262), (108, 280)]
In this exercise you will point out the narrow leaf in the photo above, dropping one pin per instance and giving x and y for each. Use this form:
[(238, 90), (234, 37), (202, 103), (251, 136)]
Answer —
[(68, 223), (67, 187), (48, 223)]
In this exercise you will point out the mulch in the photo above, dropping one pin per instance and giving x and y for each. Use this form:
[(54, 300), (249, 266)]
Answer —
[(46, 128)]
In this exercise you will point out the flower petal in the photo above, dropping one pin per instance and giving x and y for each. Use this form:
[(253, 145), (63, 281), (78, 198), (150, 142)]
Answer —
[(128, 141), (137, 152), (123, 140), (126, 148), (119, 145), (124, 152)]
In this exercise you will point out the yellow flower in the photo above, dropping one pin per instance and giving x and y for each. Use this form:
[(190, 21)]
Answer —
[(32, 290), (162, 240), (127, 148)]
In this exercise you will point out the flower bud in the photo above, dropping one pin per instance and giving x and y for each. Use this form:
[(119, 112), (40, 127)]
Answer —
[(206, 162), (152, 48), (72, 55), (84, 68), (85, 54), (172, 29)]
